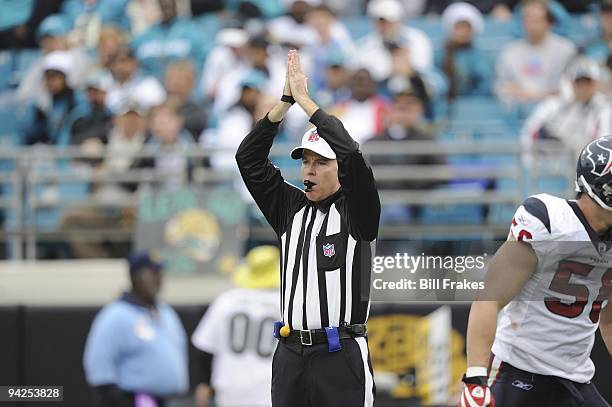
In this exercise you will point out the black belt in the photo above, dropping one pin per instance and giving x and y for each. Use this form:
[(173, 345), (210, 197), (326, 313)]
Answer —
[(318, 336)]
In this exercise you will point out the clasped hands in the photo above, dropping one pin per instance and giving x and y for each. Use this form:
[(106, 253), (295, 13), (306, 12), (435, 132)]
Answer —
[(296, 83)]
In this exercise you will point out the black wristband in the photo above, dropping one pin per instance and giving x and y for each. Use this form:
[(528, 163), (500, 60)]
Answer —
[(479, 380), (287, 99)]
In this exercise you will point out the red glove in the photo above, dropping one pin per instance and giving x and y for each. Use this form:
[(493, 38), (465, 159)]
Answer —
[(476, 393)]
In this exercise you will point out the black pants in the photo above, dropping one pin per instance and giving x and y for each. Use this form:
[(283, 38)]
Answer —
[(311, 376), (517, 388)]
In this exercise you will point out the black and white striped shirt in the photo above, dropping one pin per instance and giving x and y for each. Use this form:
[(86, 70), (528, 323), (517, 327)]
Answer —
[(326, 246)]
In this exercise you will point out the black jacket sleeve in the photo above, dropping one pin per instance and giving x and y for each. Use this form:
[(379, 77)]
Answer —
[(273, 195), (355, 175)]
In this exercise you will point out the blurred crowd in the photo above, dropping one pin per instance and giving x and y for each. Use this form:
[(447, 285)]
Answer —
[(106, 65), (119, 77)]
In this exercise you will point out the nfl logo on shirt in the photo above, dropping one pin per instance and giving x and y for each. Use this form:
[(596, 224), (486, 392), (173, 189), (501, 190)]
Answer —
[(329, 250)]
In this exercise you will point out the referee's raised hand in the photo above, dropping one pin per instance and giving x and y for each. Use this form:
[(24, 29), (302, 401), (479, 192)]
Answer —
[(297, 80), (287, 88), (298, 83), (279, 110)]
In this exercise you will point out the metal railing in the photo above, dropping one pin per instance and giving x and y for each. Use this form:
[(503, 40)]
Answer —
[(28, 170)]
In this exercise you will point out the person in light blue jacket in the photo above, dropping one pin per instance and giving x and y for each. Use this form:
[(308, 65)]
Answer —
[(136, 350), (172, 39), (597, 48), (467, 68), (46, 119)]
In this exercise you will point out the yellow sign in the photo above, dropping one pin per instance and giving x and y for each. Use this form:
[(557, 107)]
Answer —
[(399, 344)]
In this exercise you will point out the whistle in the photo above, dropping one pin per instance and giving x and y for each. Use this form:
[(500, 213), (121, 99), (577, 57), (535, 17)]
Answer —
[(308, 185)]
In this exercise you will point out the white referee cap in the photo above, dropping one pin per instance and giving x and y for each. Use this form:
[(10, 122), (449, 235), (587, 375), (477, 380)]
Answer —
[(315, 143)]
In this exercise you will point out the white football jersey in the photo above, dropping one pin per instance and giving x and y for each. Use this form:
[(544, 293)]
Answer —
[(549, 327), (238, 330)]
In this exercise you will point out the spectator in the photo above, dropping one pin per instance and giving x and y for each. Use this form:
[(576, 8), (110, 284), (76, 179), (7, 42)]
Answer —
[(168, 148), (293, 25), (599, 48), (131, 84), (88, 16), (111, 39), (236, 122), (363, 114), (93, 120), (529, 69), (573, 120), (172, 39), (322, 20), (272, 66), (143, 14), (46, 120), (136, 350), (241, 378), (126, 138), (499, 9), (179, 82), (335, 85), (374, 50), (125, 141), (52, 36), (404, 124), (227, 55), (259, 59), (402, 69), (465, 66)]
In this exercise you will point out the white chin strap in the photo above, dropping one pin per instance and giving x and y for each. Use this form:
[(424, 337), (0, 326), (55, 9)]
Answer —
[(584, 186)]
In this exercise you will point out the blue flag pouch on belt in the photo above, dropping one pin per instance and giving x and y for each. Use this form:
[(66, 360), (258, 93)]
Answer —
[(277, 326), (333, 339)]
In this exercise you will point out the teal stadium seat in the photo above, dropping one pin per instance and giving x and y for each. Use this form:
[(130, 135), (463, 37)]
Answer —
[(495, 35), (358, 26), (583, 28), (432, 27), (482, 118), (457, 214), (23, 59)]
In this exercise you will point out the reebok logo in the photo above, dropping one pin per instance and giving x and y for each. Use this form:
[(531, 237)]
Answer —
[(521, 385)]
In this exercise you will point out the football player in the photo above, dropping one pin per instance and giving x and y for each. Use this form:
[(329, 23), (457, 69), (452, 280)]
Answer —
[(530, 337)]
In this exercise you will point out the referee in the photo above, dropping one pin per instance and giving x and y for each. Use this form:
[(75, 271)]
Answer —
[(327, 236)]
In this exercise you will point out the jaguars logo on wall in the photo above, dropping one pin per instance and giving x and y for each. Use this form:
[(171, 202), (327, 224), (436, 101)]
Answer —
[(194, 232), (194, 229)]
